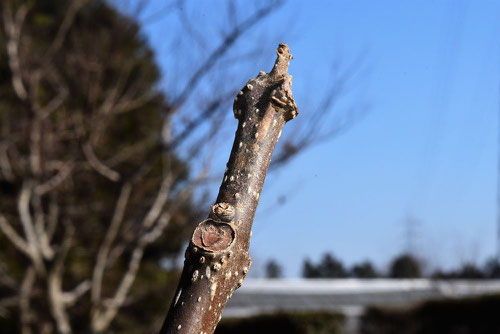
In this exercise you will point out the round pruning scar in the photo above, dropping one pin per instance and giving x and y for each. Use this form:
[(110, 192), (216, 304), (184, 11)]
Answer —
[(213, 236)]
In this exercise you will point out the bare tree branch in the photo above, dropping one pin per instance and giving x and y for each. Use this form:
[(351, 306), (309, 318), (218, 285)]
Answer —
[(188, 27), (217, 257), (69, 17), (103, 253), (35, 147), (13, 27), (5, 165), (15, 238), (159, 14), (100, 321), (199, 120), (56, 180), (54, 285), (99, 167), (29, 230), (71, 297), (153, 224), (226, 44), (24, 300), (6, 278), (160, 200)]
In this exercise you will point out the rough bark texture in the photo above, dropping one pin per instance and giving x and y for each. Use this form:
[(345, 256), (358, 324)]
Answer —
[(217, 257)]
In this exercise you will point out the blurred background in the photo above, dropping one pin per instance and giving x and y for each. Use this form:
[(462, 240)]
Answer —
[(380, 212)]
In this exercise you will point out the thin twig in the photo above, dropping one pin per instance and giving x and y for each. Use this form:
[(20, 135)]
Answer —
[(103, 253), (24, 299), (29, 230), (13, 27), (98, 165), (14, 237)]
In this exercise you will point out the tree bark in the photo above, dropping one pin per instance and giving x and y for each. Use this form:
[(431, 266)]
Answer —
[(217, 258)]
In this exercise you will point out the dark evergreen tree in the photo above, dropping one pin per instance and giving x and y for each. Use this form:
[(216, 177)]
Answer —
[(364, 270), (492, 268), (331, 267), (273, 269), (309, 270), (405, 266), (328, 267)]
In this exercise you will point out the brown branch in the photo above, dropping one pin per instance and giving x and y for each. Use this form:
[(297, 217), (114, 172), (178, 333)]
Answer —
[(25, 299), (35, 157), (98, 166), (13, 236), (39, 216), (102, 318), (12, 27), (70, 297), (154, 223), (66, 24), (102, 255), (56, 180), (5, 165), (28, 227), (217, 257), (6, 278), (54, 285)]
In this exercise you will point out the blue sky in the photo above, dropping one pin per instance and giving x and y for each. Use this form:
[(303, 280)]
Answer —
[(426, 150)]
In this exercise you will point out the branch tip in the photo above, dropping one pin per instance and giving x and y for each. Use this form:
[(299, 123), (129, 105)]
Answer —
[(282, 61)]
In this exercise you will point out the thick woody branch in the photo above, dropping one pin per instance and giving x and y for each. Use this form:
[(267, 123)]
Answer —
[(217, 258)]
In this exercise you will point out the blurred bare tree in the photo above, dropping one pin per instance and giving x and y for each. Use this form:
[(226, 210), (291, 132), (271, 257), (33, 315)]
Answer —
[(273, 269), (98, 165)]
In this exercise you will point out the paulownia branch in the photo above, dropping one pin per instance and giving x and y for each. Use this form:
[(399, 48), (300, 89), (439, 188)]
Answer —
[(217, 257)]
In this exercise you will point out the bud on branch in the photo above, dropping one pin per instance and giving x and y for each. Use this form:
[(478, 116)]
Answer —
[(217, 257)]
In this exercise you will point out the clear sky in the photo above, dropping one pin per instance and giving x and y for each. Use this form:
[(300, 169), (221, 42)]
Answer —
[(426, 150)]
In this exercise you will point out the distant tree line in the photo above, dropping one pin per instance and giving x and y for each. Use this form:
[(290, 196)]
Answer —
[(402, 266)]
